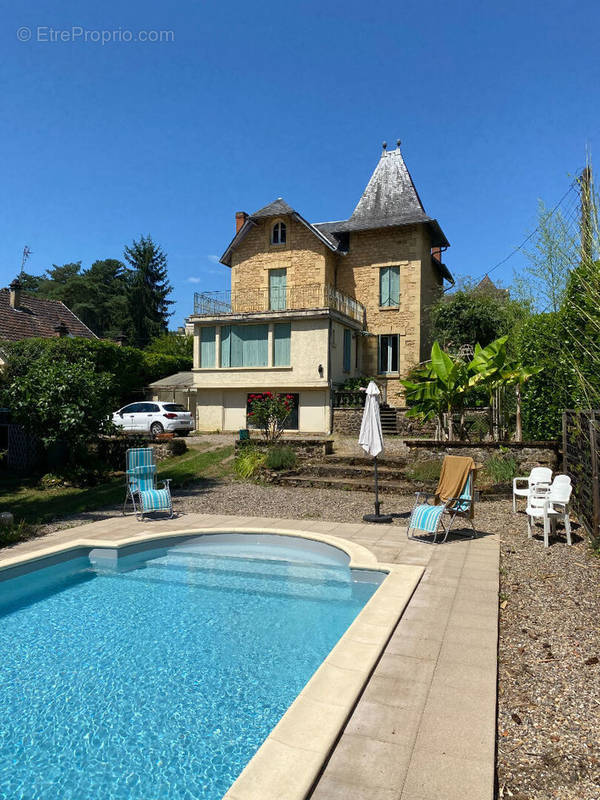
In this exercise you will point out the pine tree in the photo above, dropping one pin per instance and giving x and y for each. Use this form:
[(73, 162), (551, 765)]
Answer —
[(149, 289)]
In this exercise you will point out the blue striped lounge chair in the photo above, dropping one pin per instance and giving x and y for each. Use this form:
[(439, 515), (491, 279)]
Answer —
[(428, 517), (142, 489)]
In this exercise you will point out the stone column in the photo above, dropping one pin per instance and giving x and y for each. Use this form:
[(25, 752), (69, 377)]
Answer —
[(197, 346), (271, 341)]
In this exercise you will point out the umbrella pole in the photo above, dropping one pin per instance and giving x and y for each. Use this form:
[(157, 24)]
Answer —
[(376, 489), (377, 517)]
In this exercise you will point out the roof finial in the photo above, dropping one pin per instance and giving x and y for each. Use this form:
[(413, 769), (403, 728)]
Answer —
[(384, 145), (398, 143)]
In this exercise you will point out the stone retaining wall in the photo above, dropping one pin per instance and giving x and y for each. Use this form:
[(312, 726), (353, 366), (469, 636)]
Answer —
[(304, 448), (527, 454)]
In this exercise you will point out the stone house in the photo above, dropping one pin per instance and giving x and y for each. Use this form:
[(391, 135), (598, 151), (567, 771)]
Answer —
[(313, 304)]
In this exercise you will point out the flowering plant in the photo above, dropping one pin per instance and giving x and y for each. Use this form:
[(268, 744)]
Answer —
[(269, 412)]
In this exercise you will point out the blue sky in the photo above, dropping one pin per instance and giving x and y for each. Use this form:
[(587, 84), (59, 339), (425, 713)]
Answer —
[(494, 103)]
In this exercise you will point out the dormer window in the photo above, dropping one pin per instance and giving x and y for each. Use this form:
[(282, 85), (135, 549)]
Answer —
[(278, 234)]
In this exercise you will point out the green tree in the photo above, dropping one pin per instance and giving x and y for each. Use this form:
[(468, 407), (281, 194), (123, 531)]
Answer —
[(172, 343), (60, 401), (543, 281), (149, 290), (472, 314)]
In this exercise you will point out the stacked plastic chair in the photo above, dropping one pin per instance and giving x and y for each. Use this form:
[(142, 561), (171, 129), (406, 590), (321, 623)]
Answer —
[(142, 488)]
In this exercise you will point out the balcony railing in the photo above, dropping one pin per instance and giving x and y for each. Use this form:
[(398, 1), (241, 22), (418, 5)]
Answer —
[(297, 298)]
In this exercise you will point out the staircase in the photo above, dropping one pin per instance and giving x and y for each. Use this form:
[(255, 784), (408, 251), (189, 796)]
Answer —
[(351, 473), (388, 419)]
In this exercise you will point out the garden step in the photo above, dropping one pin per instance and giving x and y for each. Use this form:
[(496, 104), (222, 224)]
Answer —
[(354, 484), (365, 470), (397, 462)]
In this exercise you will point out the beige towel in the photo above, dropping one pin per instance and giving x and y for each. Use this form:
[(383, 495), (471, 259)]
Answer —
[(455, 473)]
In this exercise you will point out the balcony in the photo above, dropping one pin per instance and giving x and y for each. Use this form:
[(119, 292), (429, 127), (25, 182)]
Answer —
[(291, 298)]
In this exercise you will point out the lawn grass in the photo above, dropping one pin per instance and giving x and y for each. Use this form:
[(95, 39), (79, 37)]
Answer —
[(27, 502)]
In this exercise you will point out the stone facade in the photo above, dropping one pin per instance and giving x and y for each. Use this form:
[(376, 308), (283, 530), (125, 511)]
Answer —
[(332, 279)]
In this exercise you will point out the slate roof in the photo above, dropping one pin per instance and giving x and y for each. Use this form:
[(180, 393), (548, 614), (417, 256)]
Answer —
[(389, 200), (37, 317), (277, 208)]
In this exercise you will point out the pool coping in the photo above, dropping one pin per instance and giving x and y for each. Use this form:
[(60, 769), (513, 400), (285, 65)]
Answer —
[(291, 758)]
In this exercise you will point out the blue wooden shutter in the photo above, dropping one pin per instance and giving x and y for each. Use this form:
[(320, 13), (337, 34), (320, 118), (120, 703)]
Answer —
[(226, 345), (277, 289), (237, 346), (347, 349), (384, 286), (255, 346), (394, 273), (207, 347), (282, 338)]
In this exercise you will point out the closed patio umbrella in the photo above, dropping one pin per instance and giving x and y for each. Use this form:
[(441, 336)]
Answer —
[(371, 441)]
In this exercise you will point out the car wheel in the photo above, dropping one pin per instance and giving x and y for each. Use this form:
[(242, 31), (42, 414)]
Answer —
[(156, 428)]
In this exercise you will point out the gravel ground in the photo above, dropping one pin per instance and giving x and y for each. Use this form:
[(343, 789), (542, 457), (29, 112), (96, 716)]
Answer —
[(549, 672)]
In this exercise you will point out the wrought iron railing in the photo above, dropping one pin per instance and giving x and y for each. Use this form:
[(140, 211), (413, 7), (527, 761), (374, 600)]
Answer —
[(247, 301)]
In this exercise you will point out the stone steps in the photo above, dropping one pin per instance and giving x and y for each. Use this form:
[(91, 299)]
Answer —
[(395, 462), (341, 470), (360, 484)]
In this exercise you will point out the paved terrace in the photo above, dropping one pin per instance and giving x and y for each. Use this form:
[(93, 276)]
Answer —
[(424, 727)]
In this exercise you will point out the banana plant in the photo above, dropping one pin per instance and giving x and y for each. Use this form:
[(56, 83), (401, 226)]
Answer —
[(517, 375), (437, 388), (486, 369)]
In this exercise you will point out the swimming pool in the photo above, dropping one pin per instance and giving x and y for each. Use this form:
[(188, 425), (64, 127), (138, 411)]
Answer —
[(158, 673)]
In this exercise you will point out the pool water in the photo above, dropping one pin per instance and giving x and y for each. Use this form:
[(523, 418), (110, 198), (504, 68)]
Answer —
[(159, 675)]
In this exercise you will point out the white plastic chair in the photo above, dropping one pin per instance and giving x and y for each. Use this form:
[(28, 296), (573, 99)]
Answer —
[(551, 506), (538, 475)]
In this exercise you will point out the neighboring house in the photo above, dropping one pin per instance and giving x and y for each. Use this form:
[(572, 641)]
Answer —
[(313, 304), (23, 316)]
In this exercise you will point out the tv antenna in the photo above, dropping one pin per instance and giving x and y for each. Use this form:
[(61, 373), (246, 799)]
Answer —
[(26, 254)]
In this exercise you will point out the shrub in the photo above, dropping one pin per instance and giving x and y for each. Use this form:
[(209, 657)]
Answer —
[(17, 532), (269, 412), (248, 461), (281, 458), (501, 467), (177, 447)]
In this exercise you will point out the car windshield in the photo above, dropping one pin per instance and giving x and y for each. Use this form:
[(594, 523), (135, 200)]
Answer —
[(174, 407)]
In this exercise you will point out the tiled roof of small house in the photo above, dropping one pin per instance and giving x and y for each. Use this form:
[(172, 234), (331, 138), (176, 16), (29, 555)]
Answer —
[(37, 317)]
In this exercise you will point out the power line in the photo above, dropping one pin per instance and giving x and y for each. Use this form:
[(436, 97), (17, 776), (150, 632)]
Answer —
[(533, 232)]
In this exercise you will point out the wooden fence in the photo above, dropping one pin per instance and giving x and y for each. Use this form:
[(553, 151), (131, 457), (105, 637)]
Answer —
[(581, 454)]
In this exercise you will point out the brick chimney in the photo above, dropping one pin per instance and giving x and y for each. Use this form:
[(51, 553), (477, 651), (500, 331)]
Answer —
[(240, 218), (15, 294), (61, 330)]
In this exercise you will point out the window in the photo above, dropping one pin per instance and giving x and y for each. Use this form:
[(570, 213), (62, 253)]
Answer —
[(347, 349), (282, 332), (277, 289), (389, 286), (207, 347), (278, 234), (174, 407), (244, 345), (388, 353), (149, 408)]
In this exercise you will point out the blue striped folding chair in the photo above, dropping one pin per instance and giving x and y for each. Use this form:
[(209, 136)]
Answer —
[(142, 489), (427, 517)]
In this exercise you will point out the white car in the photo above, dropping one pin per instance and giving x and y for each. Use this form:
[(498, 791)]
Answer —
[(154, 418)]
